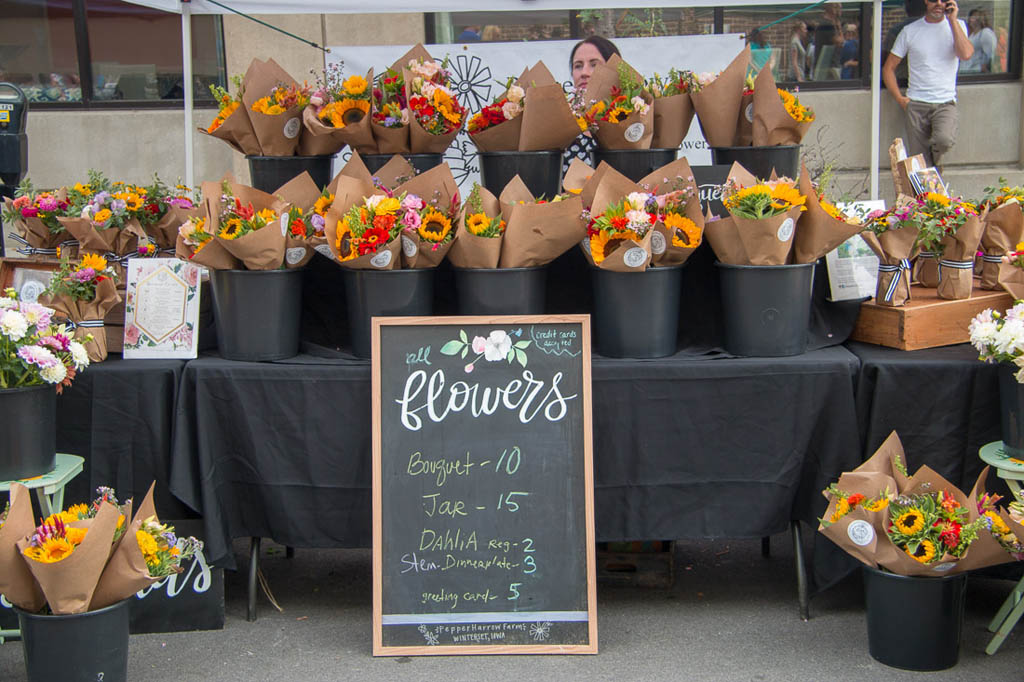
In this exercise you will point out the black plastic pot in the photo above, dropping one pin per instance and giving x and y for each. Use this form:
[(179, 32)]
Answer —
[(28, 422), (914, 622), (1011, 410), (760, 161), (270, 172), (541, 171), (421, 162), (384, 293), (634, 163), (257, 313), (766, 309), (500, 291), (82, 647), (636, 314)]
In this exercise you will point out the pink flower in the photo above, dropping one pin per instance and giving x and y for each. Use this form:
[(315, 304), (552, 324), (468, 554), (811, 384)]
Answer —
[(191, 276), (47, 204), (469, 368), (479, 344), (29, 212), (21, 202), (411, 219), (412, 202), (131, 335)]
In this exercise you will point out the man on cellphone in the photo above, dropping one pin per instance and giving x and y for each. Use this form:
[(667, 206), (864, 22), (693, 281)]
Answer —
[(933, 46)]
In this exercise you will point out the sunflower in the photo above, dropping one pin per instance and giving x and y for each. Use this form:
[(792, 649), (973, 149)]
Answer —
[(232, 229), (685, 233), (352, 111), (323, 204), (477, 223), (51, 551), (784, 194), (877, 505), (924, 553), (94, 261), (910, 522), (436, 227), (343, 233), (603, 243), (355, 85), (617, 114), (77, 511), (102, 215), (937, 198), (842, 509), (75, 535)]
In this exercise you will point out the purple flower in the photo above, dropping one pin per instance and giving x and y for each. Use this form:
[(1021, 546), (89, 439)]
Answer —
[(38, 356), (58, 342), (318, 222), (100, 199), (84, 275), (390, 121), (180, 202), (118, 206)]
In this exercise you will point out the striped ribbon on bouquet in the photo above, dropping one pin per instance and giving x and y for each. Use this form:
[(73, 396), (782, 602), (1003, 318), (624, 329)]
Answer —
[(991, 259), (956, 264), (84, 324), (27, 249), (904, 265)]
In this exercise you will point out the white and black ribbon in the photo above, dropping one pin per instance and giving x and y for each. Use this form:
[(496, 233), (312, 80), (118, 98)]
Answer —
[(27, 249), (927, 254), (904, 265), (114, 258), (85, 324), (955, 264), (991, 259)]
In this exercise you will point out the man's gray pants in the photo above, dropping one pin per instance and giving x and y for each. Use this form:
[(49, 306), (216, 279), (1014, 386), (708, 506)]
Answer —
[(931, 129)]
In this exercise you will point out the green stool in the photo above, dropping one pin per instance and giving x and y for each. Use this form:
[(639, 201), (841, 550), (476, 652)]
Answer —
[(1010, 470), (50, 493)]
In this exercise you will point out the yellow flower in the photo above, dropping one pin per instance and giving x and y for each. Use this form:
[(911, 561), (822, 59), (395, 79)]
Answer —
[(83, 189), (94, 261), (999, 526), (681, 225), (77, 511), (445, 105), (924, 553), (345, 232), (146, 543), (323, 204), (877, 505), (784, 193), (355, 85), (618, 114), (435, 227), (344, 113), (842, 509), (266, 215), (102, 215), (75, 535), (231, 230), (51, 551), (581, 121), (937, 198), (603, 243), (909, 522), (388, 206), (477, 223)]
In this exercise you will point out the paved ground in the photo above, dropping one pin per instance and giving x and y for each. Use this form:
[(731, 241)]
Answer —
[(731, 615)]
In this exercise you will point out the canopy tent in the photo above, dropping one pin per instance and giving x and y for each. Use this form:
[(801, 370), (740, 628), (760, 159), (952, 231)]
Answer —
[(187, 8)]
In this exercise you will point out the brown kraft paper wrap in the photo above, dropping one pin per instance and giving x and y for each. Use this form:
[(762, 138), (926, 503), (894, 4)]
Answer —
[(164, 232), (576, 176), (16, 581), (723, 235), (503, 137), (672, 118), (69, 584), (536, 234), (393, 173), (637, 130), (473, 251), (926, 268), (718, 104), (1004, 229), (956, 269), (548, 122), (391, 140), (237, 131), (590, 183), (1011, 280), (767, 241), (894, 249), (437, 188), (88, 311), (302, 192), (745, 121), (355, 168), (320, 139), (261, 249), (399, 140), (629, 255), (117, 245), (278, 135), (37, 234), (773, 126), (658, 182), (126, 572), (817, 232)]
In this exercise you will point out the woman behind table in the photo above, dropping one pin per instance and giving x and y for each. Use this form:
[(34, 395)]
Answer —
[(586, 56)]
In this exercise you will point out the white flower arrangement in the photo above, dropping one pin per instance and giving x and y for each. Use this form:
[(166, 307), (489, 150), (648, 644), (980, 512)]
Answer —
[(32, 350), (999, 337)]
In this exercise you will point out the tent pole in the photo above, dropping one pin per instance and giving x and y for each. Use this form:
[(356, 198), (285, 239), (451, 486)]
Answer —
[(186, 68), (876, 99)]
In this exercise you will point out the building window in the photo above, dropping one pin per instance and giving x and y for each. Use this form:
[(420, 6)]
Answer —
[(104, 51)]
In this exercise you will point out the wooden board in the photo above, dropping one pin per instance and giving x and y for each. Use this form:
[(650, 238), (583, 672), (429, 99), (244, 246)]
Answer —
[(483, 488), (926, 321)]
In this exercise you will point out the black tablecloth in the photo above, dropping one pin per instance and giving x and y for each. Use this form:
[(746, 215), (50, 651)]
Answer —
[(118, 414), (683, 447)]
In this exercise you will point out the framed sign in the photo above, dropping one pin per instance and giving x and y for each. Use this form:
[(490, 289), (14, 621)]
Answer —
[(483, 492), (161, 308), (28, 276)]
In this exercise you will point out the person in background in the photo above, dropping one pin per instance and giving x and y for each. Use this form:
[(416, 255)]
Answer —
[(470, 34), (798, 53), (490, 34), (760, 50), (828, 42), (983, 39), (849, 57), (914, 10), (933, 46), (586, 55)]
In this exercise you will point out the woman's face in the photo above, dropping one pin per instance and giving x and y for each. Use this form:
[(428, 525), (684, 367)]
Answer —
[(586, 58)]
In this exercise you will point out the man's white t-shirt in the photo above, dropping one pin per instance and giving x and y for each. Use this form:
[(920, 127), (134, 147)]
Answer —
[(932, 62)]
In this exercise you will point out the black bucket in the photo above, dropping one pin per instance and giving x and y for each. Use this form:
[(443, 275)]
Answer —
[(270, 172), (760, 161), (500, 291), (634, 163), (384, 293), (28, 422), (421, 162), (81, 647), (541, 171), (766, 309), (914, 622), (257, 313), (1011, 410), (636, 314)]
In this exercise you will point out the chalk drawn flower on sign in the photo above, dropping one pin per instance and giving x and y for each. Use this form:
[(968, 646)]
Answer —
[(499, 345), (540, 631)]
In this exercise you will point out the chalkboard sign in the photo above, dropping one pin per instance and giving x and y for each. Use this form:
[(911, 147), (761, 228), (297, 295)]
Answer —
[(483, 507)]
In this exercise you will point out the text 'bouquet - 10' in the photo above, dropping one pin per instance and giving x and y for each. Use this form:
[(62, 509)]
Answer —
[(87, 557), (918, 525)]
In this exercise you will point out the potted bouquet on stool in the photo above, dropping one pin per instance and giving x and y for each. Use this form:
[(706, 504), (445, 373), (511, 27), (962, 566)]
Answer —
[(70, 579), (917, 537), (999, 339)]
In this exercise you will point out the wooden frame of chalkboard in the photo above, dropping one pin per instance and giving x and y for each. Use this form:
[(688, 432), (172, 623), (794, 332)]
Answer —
[(483, 486)]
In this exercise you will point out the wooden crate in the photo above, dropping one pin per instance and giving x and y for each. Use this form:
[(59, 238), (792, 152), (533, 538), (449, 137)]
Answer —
[(635, 564), (926, 321)]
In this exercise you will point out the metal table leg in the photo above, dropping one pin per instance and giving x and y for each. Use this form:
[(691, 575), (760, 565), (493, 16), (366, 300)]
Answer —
[(254, 567), (801, 572)]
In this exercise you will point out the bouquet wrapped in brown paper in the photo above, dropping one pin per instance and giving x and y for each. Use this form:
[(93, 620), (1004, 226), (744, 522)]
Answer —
[(1004, 229), (338, 114), (673, 108), (34, 216), (619, 111), (232, 123), (918, 525), (164, 210), (84, 293), (532, 114), (581, 179), (195, 241), (430, 205), (762, 220), (717, 103), (85, 557), (107, 219), (779, 118), (956, 269), (248, 224), (435, 114), (950, 230), (306, 219), (480, 233), (537, 230), (389, 120), (822, 227), (274, 104), (892, 235)]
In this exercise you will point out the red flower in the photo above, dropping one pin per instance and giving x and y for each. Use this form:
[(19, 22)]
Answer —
[(950, 534), (372, 239), (620, 222), (244, 212), (298, 228), (384, 222), (854, 500)]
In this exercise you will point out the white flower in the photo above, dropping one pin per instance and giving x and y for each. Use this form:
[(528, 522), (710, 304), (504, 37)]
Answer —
[(638, 219), (515, 94), (1016, 312), (983, 333), (426, 69), (497, 346), (13, 324), (373, 200), (6, 303), (79, 355), (87, 212), (637, 200), (639, 105), (405, 117), (1009, 339), (37, 314), (427, 89), (510, 110), (54, 374)]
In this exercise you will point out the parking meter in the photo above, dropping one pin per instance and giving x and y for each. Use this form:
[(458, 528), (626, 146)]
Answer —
[(13, 142)]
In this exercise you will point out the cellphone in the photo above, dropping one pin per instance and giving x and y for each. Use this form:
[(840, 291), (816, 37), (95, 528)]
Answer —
[(949, 7)]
